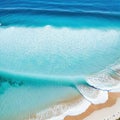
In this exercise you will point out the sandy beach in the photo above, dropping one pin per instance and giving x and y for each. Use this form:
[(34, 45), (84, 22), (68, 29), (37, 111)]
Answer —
[(106, 111)]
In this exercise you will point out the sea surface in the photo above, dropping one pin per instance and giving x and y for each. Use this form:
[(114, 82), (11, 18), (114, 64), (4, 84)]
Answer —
[(50, 47)]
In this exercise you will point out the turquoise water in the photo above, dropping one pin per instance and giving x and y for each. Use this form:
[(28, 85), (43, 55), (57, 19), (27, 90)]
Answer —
[(20, 102), (48, 47), (34, 76), (35, 50)]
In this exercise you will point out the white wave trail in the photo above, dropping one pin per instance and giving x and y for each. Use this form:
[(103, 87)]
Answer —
[(104, 81), (58, 112), (93, 95)]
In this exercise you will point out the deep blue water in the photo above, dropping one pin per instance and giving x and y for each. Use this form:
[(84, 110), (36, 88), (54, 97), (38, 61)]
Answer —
[(72, 13)]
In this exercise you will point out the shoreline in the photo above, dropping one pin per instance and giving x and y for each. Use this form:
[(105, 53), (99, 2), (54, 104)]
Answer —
[(89, 110), (112, 100)]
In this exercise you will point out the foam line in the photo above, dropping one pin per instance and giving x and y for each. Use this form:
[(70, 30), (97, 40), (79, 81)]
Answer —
[(58, 112), (93, 95), (104, 81)]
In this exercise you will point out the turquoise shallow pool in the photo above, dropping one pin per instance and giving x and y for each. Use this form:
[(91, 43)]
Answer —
[(49, 51)]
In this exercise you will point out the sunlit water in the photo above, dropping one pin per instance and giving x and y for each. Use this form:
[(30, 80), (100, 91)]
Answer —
[(48, 47)]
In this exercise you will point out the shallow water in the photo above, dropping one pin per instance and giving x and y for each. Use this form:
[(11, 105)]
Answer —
[(18, 103), (48, 47), (50, 51)]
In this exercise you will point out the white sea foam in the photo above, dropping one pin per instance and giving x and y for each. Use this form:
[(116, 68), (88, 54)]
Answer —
[(58, 112), (115, 90), (104, 81), (93, 95)]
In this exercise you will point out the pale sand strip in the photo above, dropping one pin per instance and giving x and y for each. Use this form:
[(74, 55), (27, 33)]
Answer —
[(111, 104), (109, 113)]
